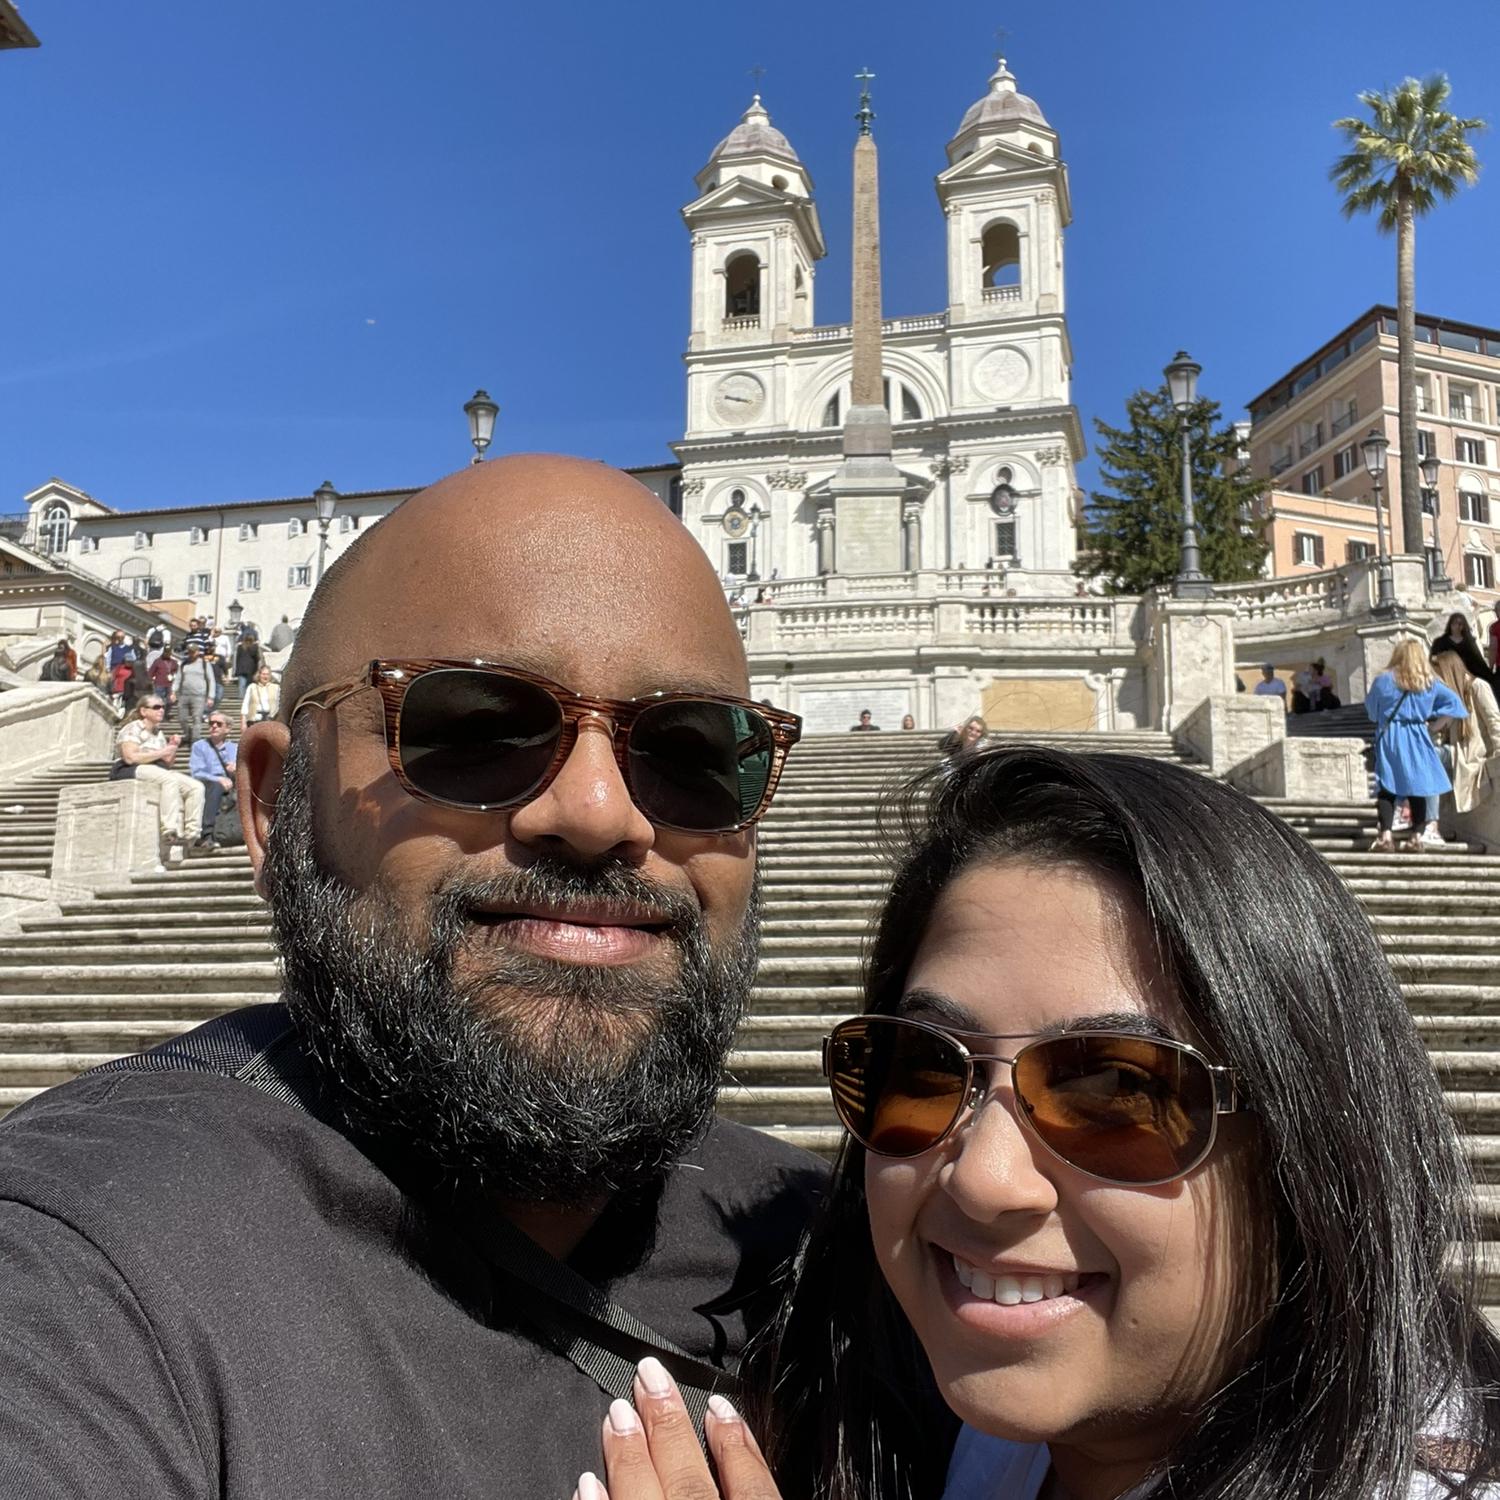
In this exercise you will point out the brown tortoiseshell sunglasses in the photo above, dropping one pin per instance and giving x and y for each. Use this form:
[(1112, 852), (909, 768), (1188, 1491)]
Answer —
[(482, 736)]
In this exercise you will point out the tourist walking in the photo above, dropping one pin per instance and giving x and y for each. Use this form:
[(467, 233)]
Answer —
[(1472, 744), (195, 690), (163, 674), (282, 635), (1459, 638), (262, 701), (144, 753), (1399, 702), (247, 660), (211, 765)]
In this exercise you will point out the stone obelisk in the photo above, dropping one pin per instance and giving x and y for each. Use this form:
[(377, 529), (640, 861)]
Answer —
[(868, 487)]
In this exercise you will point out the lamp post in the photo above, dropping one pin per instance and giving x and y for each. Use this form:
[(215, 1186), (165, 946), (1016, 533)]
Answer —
[(236, 613), (1182, 383), (755, 513), (1437, 575), (1372, 449), (481, 412), (325, 499)]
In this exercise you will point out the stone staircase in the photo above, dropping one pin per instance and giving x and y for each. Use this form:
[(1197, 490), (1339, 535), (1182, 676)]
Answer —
[(156, 953)]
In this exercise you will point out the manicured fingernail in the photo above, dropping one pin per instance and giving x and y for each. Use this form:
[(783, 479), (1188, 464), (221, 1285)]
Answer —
[(623, 1421), (723, 1409), (589, 1488), (653, 1375)]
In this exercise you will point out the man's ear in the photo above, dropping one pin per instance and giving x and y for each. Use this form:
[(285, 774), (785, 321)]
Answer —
[(258, 765)]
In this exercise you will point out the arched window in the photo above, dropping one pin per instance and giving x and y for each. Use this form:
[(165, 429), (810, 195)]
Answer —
[(911, 410), (742, 286), (54, 528), (1000, 250), (831, 415)]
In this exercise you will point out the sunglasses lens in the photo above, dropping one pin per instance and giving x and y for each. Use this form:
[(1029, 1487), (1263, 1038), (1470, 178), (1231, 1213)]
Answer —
[(897, 1087), (699, 766), (1127, 1109), (477, 739)]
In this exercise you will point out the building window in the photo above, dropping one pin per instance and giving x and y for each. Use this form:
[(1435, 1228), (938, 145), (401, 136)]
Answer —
[(1005, 541), (1312, 438), (1478, 571), (1469, 450), (53, 535), (831, 415), (1312, 481), (742, 286), (248, 581), (737, 559), (145, 588), (1000, 254), (88, 544), (200, 583), (1429, 502), (1473, 507), (1426, 444), (348, 524), (1307, 548), (197, 536), (1345, 461), (1282, 458), (299, 578), (249, 531), (1424, 394), (296, 526), (142, 540), (674, 495), (1462, 402), (1345, 415), (1358, 551), (911, 410)]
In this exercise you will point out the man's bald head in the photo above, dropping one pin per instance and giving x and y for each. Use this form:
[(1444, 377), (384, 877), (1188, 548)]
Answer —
[(533, 559)]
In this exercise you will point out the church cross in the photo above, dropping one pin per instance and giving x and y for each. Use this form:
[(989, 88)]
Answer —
[(865, 114)]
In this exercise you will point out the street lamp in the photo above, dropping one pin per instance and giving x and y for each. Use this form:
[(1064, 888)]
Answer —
[(1437, 575), (325, 499), (1182, 383), (755, 513), (1372, 449), (236, 614), (481, 412)]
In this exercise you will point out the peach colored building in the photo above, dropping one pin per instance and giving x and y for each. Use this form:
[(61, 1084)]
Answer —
[(1306, 429)]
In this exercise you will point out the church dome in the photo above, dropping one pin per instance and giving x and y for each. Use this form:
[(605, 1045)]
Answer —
[(1003, 105), (755, 135)]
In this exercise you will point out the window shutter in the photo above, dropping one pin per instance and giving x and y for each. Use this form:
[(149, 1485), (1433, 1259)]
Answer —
[(291, 577), (1318, 550)]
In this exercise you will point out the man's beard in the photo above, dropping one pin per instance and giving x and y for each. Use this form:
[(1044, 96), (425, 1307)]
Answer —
[(539, 1081)]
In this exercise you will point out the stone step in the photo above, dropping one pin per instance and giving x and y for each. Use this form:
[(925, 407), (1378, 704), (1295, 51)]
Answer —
[(155, 947), (165, 1004), (134, 978)]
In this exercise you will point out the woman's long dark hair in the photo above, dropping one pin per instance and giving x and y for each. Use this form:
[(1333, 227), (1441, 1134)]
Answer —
[(1371, 1327)]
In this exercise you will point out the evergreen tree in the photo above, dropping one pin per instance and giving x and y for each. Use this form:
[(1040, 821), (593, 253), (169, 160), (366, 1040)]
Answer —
[(1132, 532)]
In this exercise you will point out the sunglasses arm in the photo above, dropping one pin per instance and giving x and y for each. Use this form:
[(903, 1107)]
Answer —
[(1228, 1100)]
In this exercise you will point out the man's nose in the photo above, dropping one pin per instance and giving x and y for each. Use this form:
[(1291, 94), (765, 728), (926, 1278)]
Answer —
[(587, 808)]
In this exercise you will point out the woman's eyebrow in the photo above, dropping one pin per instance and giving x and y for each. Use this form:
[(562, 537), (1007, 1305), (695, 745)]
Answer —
[(1115, 1020), (944, 1010)]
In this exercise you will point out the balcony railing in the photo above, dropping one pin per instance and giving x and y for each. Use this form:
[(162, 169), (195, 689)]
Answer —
[(835, 331), (1310, 444), (1281, 465), (742, 324), (1344, 422), (1002, 294), (1462, 409)]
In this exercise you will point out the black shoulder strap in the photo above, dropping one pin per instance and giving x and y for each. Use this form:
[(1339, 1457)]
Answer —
[(258, 1046)]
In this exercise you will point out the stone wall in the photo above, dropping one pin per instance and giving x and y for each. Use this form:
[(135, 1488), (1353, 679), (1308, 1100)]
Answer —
[(52, 722)]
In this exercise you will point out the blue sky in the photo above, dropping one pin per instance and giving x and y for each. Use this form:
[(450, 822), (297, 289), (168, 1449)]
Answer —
[(248, 248)]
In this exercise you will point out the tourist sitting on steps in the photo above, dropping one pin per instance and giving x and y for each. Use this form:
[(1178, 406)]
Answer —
[(866, 722), (964, 738), (1399, 702), (211, 765), (1148, 1177), (146, 754)]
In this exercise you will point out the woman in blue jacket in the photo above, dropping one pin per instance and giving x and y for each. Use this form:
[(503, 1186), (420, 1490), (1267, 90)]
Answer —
[(1400, 702)]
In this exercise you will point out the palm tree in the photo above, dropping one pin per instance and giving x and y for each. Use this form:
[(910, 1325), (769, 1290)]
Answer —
[(1400, 161)]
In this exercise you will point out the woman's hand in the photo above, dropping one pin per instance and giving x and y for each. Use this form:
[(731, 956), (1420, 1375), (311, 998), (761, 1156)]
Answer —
[(651, 1451)]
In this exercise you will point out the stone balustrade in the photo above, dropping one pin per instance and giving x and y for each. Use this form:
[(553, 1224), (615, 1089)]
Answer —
[(49, 723), (926, 323)]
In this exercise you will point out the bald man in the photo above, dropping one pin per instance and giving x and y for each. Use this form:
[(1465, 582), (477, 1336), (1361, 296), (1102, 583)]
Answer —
[(515, 900)]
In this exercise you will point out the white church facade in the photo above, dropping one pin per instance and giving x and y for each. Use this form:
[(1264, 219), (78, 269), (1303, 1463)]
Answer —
[(978, 392)]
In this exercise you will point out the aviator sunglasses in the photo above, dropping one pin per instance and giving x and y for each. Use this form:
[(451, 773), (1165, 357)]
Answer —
[(1131, 1110), (483, 737)]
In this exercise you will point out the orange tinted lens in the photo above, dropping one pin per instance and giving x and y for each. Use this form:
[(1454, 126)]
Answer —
[(1127, 1109), (897, 1087)]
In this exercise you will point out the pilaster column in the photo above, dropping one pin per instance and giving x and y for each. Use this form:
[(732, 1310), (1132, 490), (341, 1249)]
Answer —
[(911, 521), (827, 561)]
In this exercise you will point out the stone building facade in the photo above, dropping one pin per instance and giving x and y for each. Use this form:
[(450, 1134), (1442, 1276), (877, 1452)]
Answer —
[(978, 391)]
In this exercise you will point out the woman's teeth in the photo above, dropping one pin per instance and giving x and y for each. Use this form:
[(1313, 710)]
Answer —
[(1010, 1290)]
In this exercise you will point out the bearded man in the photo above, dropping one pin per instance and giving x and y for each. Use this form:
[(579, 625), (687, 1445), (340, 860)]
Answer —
[(386, 1237)]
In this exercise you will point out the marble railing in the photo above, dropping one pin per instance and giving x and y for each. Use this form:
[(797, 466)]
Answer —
[(835, 331)]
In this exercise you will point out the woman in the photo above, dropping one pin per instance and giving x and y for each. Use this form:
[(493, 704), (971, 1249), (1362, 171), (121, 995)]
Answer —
[(1473, 742), (1400, 702), (99, 674), (1195, 1242), (1459, 638), (262, 701), (965, 738), (908, 722)]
